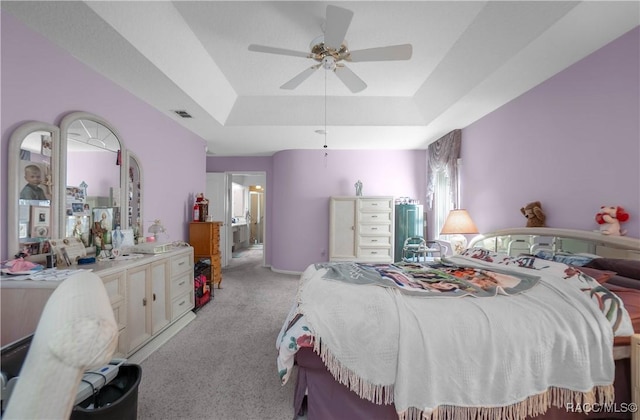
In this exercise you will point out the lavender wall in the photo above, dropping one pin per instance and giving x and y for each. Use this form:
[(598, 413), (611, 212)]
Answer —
[(304, 180), (572, 143), (300, 182), (42, 82)]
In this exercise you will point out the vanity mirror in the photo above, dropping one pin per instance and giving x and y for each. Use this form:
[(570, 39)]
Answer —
[(93, 201), (134, 220), (33, 188), (62, 180)]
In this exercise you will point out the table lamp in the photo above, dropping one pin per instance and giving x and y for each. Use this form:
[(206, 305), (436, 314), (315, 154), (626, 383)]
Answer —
[(156, 228), (458, 223)]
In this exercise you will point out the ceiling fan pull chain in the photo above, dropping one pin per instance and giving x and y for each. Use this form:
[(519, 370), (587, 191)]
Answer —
[(325, 114)]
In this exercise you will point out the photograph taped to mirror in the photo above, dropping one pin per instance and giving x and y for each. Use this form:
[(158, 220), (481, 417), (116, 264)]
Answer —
[(37, 180)]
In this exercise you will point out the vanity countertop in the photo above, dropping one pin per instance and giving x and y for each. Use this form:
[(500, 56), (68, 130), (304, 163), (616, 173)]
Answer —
[(58, 275)]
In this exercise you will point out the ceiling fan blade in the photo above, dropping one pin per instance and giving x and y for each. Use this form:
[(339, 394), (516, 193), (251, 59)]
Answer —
[(392, 52), (295, 82), (349, 78), (337, 24), (281, 51)]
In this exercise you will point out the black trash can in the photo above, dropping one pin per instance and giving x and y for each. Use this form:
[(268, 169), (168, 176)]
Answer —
[(116, 400)]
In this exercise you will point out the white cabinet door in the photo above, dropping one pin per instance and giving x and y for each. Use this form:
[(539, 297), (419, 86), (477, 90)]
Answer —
[(160, 305), (342, 225), (138, 306), (219, 196)]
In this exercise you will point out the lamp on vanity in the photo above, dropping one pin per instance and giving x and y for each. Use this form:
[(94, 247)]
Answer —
[(458, 223), (156, 228)]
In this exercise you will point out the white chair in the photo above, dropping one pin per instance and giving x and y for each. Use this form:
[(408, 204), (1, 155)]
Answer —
[(76, 332)]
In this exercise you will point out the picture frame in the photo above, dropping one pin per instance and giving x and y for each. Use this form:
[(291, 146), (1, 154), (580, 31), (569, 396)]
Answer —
[(40, 216), (31, 248), (40, 221), (68, 250), (104, 217), (78, 226)]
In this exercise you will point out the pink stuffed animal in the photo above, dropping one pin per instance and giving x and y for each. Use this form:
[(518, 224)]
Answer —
[(609, 219)]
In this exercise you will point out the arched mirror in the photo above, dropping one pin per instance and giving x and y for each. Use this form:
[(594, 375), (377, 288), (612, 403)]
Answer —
[(33, 189), (134, 220), (93, 199)]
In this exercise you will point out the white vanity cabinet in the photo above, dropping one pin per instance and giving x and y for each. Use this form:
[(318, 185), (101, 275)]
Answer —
[(115, 284), (150, 297), (181, 288), (361, 229)]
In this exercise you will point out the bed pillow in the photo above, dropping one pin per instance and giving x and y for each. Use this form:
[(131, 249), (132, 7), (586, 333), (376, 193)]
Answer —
[(625, 268), (601, 276), (570, 259)]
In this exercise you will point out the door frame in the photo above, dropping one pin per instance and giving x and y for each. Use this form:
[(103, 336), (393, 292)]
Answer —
[(226, 237)]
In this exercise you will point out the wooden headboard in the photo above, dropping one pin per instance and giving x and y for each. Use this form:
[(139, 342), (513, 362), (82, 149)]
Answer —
[(515, 241)]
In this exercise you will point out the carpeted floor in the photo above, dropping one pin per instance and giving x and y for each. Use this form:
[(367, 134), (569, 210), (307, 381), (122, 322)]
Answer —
[(223, 364)]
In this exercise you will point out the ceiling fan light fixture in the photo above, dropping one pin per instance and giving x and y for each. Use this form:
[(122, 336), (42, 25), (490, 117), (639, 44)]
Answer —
[(329, 63)]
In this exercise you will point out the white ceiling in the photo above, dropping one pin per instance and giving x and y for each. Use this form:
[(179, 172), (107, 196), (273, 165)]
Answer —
[(468, 59)]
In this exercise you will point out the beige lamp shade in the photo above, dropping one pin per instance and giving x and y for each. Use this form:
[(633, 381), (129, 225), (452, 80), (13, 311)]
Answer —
[(458, 222)]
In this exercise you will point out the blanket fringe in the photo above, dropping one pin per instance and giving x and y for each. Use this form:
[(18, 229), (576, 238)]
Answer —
[(378, 394), (532, 406)]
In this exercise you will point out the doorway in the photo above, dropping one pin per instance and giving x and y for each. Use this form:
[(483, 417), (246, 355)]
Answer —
[(256, 213), (243, 226)]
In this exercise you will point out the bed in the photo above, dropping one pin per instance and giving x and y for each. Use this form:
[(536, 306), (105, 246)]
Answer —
[(526, 323)]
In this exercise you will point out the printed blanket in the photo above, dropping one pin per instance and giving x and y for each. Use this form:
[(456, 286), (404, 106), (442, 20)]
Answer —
[(434, 280), (542, 346)]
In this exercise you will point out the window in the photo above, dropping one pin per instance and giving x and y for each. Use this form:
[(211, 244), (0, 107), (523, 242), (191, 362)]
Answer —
[(442, 203)]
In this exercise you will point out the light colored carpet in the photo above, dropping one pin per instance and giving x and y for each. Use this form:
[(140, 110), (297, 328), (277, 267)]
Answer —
[(223, 364)]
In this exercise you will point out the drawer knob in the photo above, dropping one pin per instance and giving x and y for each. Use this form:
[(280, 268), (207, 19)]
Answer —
[(181, 283), (181, 263)]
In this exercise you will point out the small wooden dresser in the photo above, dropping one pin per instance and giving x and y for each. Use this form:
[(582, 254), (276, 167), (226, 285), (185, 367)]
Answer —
[(204, 237)]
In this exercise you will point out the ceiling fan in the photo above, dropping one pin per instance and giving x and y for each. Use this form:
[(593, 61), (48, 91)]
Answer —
[(330, 50)]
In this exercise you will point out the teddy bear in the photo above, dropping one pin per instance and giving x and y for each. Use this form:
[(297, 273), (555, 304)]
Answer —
[(533, 213), (609, 219)]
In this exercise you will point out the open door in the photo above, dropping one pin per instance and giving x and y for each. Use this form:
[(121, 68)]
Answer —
[(219, 196)]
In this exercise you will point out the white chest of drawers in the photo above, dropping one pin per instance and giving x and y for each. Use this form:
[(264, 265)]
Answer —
[(361, 229)]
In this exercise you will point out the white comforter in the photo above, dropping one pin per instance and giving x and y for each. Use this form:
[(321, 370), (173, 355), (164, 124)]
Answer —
[(512, 355)]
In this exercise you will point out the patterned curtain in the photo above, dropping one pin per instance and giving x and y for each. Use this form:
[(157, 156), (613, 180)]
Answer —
[(442, 155)]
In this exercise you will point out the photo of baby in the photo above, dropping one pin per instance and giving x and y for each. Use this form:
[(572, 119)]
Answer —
[(36, 177)]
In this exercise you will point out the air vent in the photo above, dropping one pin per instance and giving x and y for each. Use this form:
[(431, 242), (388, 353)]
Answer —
[(183, 114)]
